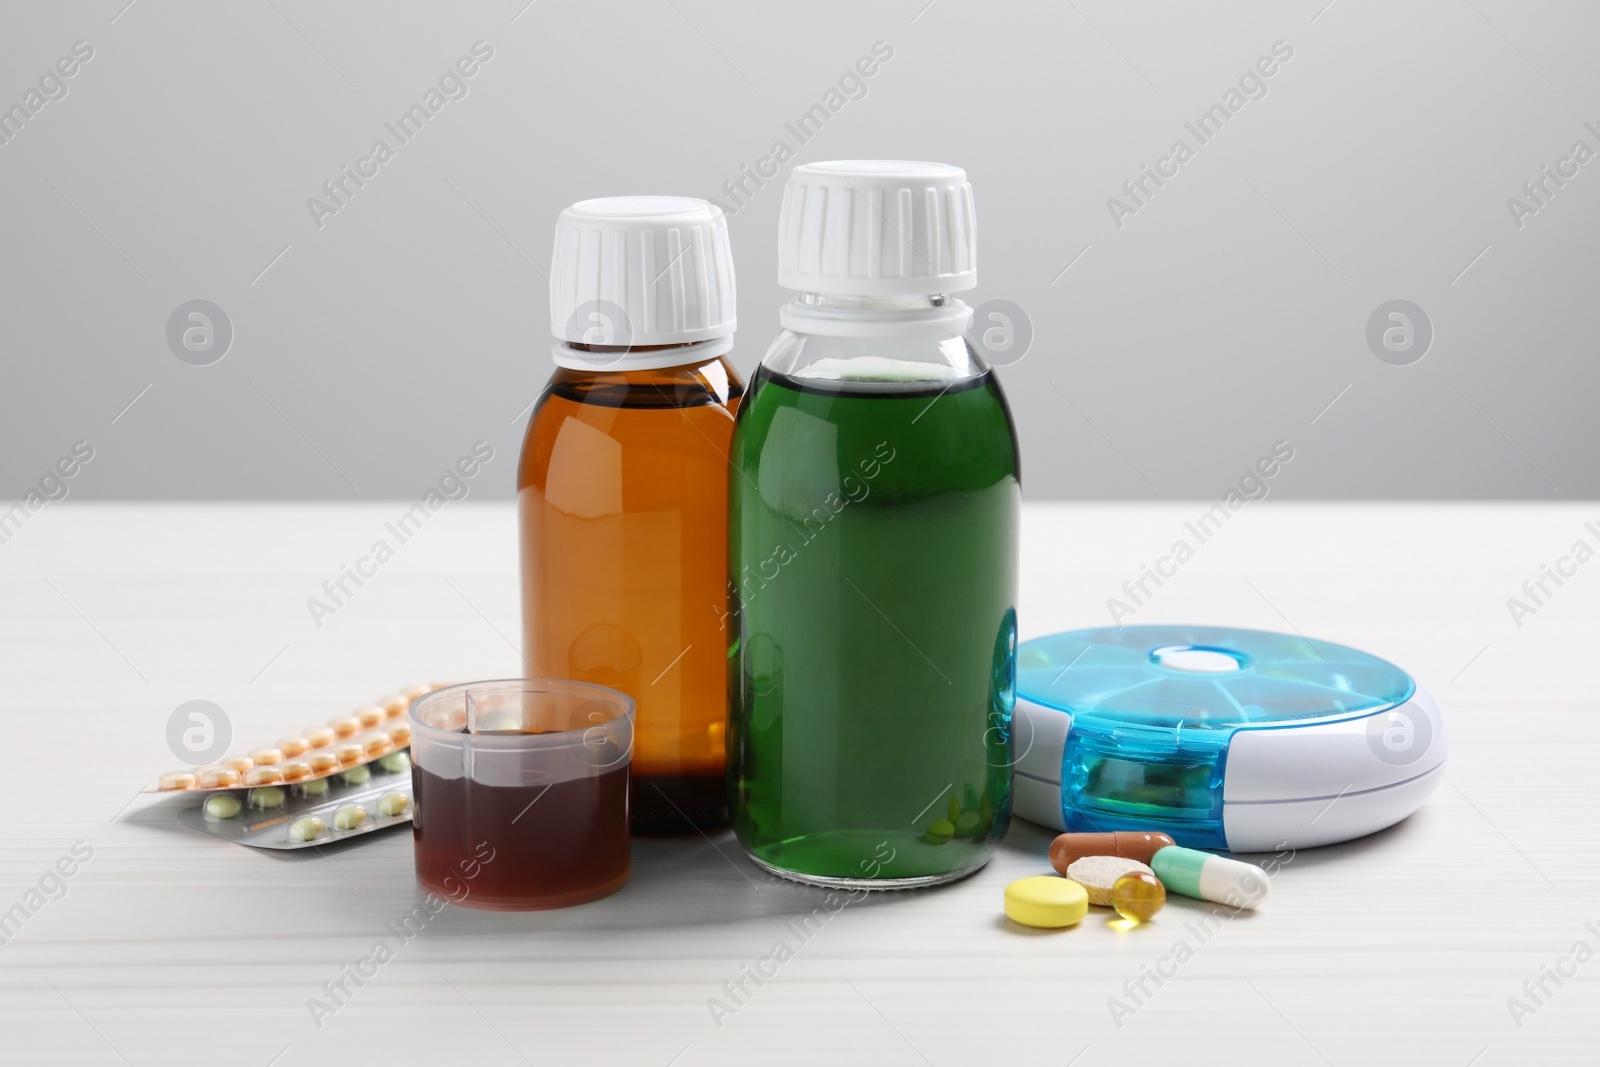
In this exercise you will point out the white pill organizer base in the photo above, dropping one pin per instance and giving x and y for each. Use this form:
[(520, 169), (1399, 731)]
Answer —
[(1303, 743), (269, 828)]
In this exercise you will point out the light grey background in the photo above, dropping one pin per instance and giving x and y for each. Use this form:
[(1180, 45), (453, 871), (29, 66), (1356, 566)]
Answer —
[(1229, 313)]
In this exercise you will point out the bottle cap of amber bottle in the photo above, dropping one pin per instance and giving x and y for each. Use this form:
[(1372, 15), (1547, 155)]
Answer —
[(641, 281)]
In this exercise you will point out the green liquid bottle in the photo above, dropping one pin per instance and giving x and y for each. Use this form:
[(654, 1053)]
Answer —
[(873, 551)]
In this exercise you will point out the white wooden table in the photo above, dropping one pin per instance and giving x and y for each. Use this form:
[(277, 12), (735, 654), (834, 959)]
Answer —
[(169, 946)]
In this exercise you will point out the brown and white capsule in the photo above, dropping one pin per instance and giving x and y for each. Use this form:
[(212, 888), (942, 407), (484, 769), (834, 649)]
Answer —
[(1067, 849)]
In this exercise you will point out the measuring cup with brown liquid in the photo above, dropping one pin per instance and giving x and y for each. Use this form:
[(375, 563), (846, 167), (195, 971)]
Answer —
[(521, 793)]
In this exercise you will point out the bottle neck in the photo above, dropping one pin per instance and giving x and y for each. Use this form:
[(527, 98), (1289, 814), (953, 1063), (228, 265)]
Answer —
[(930, 315), (840, 302), (600, 358)]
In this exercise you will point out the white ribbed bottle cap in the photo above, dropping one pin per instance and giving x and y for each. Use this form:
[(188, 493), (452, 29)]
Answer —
[(641, 270), (877, 227)]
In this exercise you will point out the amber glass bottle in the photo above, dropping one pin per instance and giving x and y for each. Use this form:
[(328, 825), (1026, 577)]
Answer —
[(622, 498), (622, 491)]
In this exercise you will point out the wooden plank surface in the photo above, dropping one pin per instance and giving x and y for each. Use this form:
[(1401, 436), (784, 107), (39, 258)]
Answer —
[(1405, 947)]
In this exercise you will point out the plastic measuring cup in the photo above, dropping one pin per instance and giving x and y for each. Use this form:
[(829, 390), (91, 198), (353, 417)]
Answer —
[(521, 792)]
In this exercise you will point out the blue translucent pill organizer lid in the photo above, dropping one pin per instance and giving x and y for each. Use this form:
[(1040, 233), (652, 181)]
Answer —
[(1154, 709)]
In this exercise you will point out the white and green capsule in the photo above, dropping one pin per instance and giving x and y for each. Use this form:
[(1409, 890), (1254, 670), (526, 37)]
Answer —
[(1207, 877)]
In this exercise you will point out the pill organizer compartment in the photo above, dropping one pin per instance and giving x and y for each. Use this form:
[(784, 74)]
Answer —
[(1222, 738)]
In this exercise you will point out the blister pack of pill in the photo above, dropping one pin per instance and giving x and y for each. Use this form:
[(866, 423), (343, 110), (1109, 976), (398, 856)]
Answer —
[(365, 735), (320, 811)]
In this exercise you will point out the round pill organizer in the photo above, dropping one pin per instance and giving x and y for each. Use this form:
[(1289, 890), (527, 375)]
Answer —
[(1240, 740)]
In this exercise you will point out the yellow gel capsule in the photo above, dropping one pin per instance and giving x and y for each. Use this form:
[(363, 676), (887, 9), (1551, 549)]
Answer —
[(1137, 896), (1047, 901)]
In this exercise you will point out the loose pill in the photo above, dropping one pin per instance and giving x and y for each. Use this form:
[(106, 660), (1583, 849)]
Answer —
[(968, 824), (266, 797), (348, 818), (263, 776), (395, 763), (1047, 901), (239, 763), (357, 775), (1216, 878), (319, 736), (323, 762), (939, 831), (393, 804), (306, 828), (266, 757), (218, 778), (1137, 896), (1097, 874), (177, 780), (369, 716), (295, 771), (292, 747), (347, 726), (952, 810), (401, 733), (377, 744), (317, 787), (1066, 849), (222, 806), (350, 753)]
